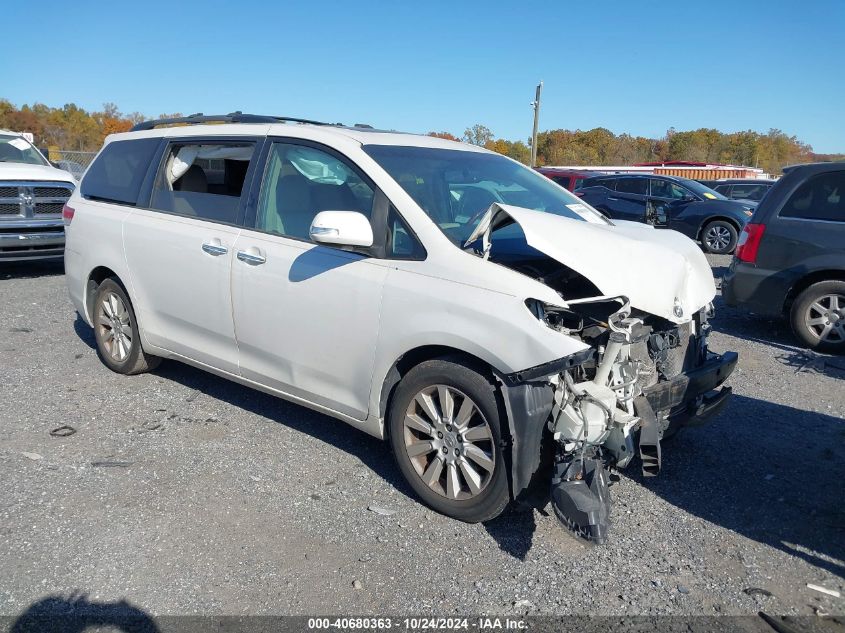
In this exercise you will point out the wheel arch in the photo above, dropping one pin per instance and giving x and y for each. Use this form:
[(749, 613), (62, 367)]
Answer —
[(97, 276), (814, 277), (420, 354), (523, 409), (713, 218)]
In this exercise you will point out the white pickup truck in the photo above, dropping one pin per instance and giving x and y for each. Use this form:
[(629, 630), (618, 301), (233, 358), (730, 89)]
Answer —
[(32, 194)]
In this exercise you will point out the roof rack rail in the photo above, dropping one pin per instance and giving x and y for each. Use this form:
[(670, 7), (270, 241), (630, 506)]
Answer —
[(232, 117)]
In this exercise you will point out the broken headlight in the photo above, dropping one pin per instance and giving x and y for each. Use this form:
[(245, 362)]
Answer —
[(556, 317)]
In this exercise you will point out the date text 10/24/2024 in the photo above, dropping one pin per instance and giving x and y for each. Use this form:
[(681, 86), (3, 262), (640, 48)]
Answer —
[(418, 624)]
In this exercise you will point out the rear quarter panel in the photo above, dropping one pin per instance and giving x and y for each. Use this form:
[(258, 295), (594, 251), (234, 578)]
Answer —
[(692, 219), (93, 239), (794, 251)]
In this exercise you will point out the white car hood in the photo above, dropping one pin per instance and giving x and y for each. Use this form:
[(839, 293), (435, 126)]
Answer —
[(23, 171), (660, 271)]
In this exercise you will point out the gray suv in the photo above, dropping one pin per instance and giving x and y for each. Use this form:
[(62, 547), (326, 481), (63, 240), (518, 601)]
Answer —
[(791, 256)]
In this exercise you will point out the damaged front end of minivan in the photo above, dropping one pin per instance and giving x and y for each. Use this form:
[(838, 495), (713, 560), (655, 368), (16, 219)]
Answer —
[(640, 301)]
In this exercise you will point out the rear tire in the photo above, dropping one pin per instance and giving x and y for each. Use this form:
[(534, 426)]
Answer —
[(445, 432), (719, 237), (818, 317), (116, 331)]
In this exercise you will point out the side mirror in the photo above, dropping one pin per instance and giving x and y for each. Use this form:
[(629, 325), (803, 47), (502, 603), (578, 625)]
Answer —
[(342, 228)]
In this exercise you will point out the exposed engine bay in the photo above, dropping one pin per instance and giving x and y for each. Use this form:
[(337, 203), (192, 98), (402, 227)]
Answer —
[(600, 418), (604, 410), (642, 379)]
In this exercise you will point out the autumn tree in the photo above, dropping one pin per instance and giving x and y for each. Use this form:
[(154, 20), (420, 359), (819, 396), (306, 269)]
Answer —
[(513, 149), (112, 121), (444, 135), (478, 135)]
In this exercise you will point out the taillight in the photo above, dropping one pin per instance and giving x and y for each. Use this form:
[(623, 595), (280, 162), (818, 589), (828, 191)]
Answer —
[(749, 243), (67, 214)]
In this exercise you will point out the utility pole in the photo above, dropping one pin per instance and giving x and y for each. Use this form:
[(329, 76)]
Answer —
[(536, 105)]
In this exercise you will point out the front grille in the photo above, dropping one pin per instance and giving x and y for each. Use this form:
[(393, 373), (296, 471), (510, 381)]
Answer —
[(50, 192), (29, 199), (45, 208)]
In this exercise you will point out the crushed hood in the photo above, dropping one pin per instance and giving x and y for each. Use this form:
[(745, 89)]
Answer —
[(658, 270)]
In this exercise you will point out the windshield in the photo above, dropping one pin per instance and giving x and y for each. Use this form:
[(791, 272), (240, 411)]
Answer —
[(16, 149), (455, 187), (702, 191)]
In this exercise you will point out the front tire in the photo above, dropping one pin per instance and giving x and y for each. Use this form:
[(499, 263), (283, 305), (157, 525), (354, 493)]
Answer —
[(445, 433), (116, 331), (818, 317), (719, 237)]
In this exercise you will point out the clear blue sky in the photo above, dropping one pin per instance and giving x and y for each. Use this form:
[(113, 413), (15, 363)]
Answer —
[(638, 67)]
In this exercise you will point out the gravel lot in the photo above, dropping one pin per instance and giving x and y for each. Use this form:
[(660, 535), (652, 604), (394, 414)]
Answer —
[(183, 493)]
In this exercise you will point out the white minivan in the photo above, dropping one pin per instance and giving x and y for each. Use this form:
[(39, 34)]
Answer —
[(498, 333)]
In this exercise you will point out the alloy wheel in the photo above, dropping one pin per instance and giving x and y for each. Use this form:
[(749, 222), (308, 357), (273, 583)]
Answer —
[(115, 327), (449, 442), (717, 238), (825, 318)]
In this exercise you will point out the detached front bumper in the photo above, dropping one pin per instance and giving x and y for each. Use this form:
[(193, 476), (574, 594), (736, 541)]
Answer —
[(690, 398)]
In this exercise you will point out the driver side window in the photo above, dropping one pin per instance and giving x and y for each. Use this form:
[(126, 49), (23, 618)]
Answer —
[(667, 189), (299, 182), (678, 192)]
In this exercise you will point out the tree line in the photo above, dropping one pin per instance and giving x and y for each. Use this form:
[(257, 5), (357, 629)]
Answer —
[(69, 127), (73, 128), (770, 151)]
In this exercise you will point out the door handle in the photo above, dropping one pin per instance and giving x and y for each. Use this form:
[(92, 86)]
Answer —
[(614, 199), (214, 247), (251, 256)]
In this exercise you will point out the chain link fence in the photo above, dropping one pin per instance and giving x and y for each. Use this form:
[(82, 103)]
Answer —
[(74, 162)]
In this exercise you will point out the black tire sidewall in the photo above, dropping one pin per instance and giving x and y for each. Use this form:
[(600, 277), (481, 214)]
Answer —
[(128, 364), (495, 497), (799, 309), (734, 237)]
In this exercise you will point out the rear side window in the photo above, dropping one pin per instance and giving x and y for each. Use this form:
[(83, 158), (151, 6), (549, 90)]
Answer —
[(637, 186), (821, 197), (598, 182), (119, 170), (203, 180), (748, 192)]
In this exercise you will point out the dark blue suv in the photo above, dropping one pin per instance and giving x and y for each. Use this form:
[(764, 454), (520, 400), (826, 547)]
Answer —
[(670, 202)]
